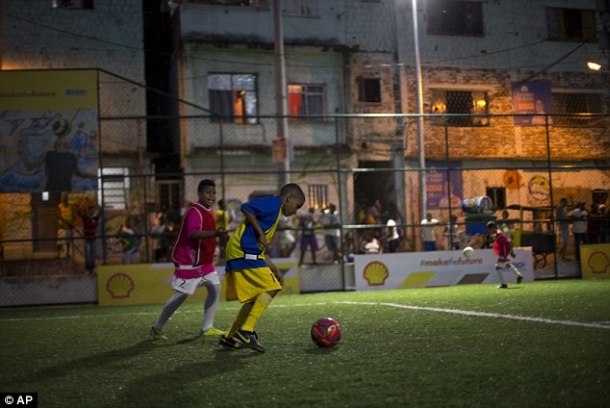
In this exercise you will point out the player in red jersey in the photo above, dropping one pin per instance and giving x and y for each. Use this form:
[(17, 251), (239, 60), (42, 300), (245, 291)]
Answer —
[(503, 248)]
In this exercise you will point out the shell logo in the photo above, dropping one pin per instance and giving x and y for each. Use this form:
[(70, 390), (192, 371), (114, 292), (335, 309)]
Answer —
[(375, 273), (539, 188), (598, 262), (120, 285)]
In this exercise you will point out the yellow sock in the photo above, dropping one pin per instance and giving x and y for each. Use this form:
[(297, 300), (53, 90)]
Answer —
[(243, 314), (259, 307)]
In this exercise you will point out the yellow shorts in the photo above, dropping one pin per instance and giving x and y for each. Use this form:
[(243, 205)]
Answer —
[(247, 284)]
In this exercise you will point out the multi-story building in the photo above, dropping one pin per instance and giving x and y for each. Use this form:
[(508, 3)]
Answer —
[(479, 61), (348, 77), (51, 36)]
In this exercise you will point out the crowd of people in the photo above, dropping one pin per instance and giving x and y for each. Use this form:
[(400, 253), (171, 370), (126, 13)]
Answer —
[(589, 226), (319, 235)]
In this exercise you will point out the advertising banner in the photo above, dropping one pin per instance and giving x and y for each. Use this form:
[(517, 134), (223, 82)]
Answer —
[(436, 268), (150, 283), (532, 97), (595, 261), (48, 131), (443, 179)]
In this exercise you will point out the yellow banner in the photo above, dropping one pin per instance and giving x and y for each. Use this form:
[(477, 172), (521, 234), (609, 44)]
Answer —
[(150, 283), (48, 89), (595, 261)]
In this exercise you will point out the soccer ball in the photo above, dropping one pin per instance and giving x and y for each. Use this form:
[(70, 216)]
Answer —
[(468, 252), (326, 332)]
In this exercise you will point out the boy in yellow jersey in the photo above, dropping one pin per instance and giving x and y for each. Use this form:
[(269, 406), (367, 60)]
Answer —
[(252, 278)]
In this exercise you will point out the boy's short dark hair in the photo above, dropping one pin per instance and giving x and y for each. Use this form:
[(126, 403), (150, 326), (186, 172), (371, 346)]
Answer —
[(292, 189), (491, 225), (205, 183)]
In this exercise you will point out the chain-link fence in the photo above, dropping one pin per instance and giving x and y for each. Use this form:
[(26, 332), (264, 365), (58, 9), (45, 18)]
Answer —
[(367, 165)]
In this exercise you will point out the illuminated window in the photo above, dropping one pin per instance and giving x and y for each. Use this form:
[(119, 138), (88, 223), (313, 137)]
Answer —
[(233, 96), (471, 105), (317, 196), (305, 100)]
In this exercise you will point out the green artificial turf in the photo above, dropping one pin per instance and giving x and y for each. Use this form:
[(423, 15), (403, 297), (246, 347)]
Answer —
[(540, 344)]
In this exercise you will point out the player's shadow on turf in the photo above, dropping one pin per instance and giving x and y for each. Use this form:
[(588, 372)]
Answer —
[(181, 384), (320, 350), (96, 361), (188, 340)]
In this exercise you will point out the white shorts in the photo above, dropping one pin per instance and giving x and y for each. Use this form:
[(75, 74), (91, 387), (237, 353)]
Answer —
[(189, 286)]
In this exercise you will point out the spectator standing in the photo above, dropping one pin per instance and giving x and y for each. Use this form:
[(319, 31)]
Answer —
[(90, 217), (308, 236), (428, 232), (563, 226), (285, 237), (65, 225), (129, 242), (157, 233), (393, 237), (506, 225), (604, 226), (452, 232), (373, 214), (331, 230), (579, 227), (223, 217), (594, 220)]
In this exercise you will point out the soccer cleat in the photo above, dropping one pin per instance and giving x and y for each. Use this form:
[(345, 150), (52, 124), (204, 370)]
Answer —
[(503, 286), (249, 339), (229, 343), (519, 279), (212, 331), (157, 334)]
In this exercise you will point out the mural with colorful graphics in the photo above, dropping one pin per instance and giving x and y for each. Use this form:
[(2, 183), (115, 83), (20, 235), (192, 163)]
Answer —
[(48, 131)]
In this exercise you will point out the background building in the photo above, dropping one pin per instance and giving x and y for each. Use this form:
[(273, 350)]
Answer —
[(188, 89)]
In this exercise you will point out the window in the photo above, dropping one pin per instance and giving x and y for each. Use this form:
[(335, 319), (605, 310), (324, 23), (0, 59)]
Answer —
[(369, 90), (114, 185), (317, 195), (73, 4), (450, 17), (599, 196), (498, 196), (471, 103), (233, 96), (305, 100), (580, 108), (570, 24), (301, 7)]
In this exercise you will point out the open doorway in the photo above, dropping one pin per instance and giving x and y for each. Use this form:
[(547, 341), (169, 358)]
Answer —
[(376, 184)]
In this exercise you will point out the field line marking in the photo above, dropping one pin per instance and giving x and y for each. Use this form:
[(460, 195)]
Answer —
[(599, 325), (484, 314)]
